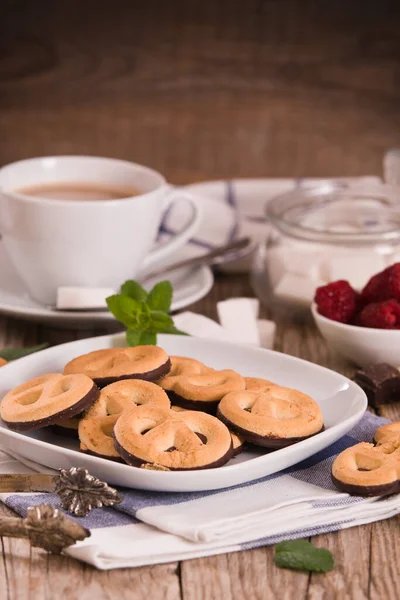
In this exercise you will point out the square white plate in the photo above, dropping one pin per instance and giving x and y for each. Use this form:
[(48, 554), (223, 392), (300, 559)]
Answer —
[(342, 403)]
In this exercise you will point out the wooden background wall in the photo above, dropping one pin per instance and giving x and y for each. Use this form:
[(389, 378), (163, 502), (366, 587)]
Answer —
[(203, 88)]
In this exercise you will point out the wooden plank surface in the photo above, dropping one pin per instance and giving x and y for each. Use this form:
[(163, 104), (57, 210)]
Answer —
[(202, 89)]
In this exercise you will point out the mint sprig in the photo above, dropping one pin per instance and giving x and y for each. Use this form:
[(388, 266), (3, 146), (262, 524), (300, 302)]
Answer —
[(301, 555), (144, 314)]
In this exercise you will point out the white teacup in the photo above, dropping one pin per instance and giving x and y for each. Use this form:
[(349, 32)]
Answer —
[(85, 243)]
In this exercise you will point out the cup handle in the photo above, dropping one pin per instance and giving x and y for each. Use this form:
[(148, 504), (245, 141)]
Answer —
[(179, 239)]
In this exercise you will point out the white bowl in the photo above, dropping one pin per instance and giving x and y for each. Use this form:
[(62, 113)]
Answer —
[(362, 345)]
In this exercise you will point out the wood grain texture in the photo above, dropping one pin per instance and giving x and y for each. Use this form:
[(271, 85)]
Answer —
[(385, 560), (249, 574), (351, 576), (203, 89), (30, 573)]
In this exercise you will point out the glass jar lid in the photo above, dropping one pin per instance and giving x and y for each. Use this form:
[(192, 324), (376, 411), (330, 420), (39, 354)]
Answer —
[(335, 212)]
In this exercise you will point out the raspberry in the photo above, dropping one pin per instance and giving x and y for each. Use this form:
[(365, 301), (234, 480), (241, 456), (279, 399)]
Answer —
[(337, 301), (381, 315), (393, 282), (383, 286), (373, 290)]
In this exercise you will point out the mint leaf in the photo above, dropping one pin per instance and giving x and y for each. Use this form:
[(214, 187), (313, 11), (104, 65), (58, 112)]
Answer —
[(124, 309), (142, 317), (148, 338), (160, 321), (175, 331), (140, 338), (143, 314), (133, 337), (160, 297), (293, 545), (15, 353), (115, 307), (134, 290), (301, 555)]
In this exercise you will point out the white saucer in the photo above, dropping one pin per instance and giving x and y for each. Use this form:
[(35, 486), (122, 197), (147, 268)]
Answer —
[(189, 286)]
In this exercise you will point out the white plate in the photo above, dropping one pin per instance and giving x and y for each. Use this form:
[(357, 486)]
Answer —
[(189, 286), (342, 403)]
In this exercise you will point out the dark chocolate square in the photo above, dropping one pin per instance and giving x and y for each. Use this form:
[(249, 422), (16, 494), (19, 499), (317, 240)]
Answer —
[(380, 382)]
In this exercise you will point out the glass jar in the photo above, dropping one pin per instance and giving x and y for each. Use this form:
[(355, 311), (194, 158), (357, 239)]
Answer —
[(322, 233)]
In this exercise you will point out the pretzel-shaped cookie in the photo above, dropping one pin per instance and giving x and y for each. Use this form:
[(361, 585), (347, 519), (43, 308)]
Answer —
[(184, 440), (368, 470), (96, 428), (237, 440), (112, 364), (182, 365), (274, 419), (255, 384), (204, 390), (67, 427), (43, 400), (386, 431)]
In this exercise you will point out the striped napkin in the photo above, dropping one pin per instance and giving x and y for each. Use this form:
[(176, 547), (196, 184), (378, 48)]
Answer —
[(157, 527)]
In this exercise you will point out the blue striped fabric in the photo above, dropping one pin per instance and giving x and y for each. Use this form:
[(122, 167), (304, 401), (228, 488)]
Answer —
[(315, 470)]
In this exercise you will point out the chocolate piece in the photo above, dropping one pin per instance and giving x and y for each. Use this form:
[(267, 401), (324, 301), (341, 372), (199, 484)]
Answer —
[(265, 441), (367, 490), (72, 411), (134, 461), (151, 376), (380, 382)]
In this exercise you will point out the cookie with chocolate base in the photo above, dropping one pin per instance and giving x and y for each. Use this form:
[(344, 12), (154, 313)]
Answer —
[(237, 440), (113, 364), (273, 419), (202, 391), (183, 365), (368, 470), (256, 384), (96, 427), (185, 440), (67, 427), (387, 431), (44, 400)]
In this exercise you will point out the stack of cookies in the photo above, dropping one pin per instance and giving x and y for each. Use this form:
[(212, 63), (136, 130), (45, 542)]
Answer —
[(148, 409)]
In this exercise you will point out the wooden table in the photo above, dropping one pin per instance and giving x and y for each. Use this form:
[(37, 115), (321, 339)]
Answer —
[(202, 90)]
